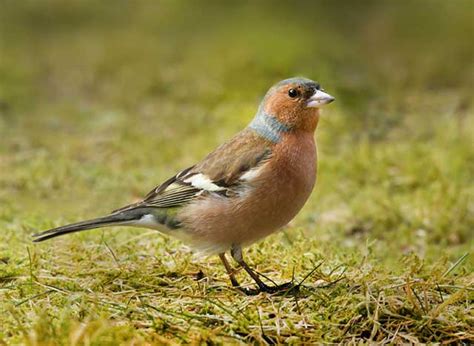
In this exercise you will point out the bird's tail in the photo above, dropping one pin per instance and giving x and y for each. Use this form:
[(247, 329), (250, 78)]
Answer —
[(115, 219)]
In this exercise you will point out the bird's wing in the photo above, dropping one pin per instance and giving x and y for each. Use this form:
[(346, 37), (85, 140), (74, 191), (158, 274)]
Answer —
[(222, 172)]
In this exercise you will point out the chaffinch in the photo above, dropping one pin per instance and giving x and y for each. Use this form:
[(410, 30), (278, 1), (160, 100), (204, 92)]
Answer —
[(246, 189)]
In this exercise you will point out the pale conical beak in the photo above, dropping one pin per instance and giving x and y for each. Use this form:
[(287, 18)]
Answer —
[(319, 99)]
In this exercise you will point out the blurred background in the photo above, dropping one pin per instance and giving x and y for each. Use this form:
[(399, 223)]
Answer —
[(101, 100)]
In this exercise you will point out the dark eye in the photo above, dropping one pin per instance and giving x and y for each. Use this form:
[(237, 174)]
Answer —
[(293, 93)]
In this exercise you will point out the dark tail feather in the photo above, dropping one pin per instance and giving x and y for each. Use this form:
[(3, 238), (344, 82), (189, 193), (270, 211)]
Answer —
[(110, 220)]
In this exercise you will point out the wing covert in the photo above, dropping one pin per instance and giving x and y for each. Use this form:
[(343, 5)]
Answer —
[(222, 172)]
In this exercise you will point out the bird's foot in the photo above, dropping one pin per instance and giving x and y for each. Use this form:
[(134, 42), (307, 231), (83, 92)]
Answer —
[(283, 289)]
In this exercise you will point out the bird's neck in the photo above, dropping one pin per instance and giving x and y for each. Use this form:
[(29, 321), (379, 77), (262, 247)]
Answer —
[(268, 127), (273, 129)]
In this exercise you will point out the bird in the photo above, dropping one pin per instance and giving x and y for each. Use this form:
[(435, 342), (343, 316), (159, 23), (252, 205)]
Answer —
[(248, 188)]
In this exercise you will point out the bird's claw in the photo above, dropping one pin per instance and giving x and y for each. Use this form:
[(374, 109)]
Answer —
[(288, 287)]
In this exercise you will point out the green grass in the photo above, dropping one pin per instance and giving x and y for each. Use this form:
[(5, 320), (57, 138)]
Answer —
[(99, 102)]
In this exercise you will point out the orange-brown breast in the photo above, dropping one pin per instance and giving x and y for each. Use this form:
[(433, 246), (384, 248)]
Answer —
[(274, 199)]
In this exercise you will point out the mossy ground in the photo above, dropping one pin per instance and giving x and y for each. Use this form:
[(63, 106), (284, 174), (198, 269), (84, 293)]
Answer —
[(99, 101)]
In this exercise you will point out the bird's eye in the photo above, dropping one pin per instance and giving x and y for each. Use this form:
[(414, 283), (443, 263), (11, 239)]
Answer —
[(293, 93)]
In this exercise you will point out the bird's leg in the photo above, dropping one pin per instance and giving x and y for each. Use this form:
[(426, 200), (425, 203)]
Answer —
[(236, 252), (229, 270)]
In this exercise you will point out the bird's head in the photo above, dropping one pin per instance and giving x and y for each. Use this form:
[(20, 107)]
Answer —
[(295, 103)]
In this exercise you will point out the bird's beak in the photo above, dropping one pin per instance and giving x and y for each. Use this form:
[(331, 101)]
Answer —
[(319, 99)]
